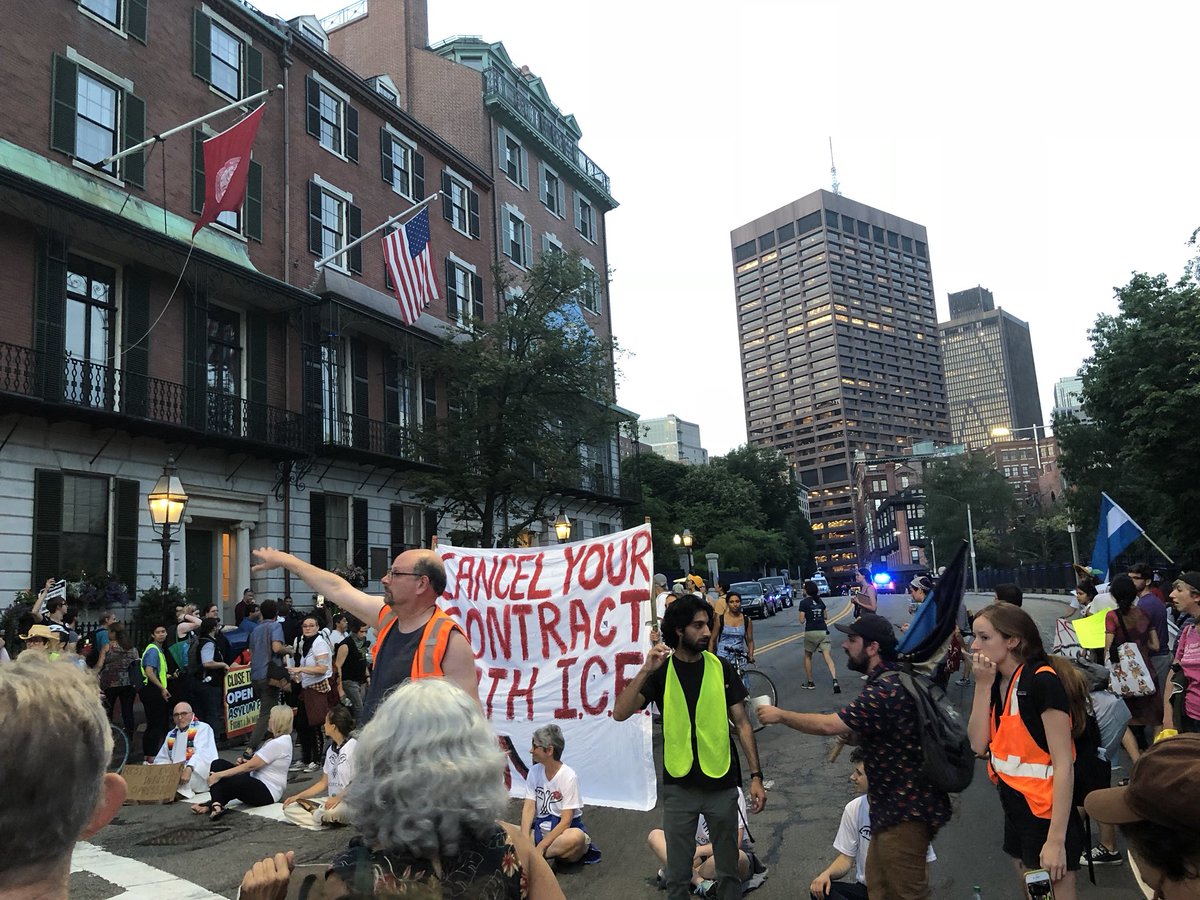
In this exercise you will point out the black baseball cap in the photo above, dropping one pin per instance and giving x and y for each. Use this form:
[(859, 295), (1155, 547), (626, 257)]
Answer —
[(870, 627)]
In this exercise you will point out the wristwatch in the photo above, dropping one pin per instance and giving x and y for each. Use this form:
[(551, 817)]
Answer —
[(757, 775)]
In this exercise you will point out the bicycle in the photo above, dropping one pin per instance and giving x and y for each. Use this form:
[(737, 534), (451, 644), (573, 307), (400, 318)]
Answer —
[(120, 750), (757, 685)]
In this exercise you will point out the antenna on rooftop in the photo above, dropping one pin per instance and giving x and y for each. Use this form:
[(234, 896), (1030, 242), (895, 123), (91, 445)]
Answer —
[(837, 188)]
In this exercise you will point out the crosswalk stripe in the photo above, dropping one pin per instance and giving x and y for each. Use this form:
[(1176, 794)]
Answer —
[(140, 881)]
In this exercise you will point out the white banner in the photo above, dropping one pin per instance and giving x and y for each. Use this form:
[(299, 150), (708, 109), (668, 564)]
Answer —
[(558, 632)]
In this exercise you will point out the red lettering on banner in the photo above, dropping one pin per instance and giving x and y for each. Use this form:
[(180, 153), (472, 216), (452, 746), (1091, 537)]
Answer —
[(472, 621), (572, 555), (548, 619), (586, 581), (481, 585), (519, 576), (499, 637), (603, 637), (465, 572), (634, 599), (498, 566), (580, 624), (534, 592), (446, 593), (615, 578), (625, 659), (566, 711), (517, 691), (642, 546), (521, 610), (497, 675), (593, 709)]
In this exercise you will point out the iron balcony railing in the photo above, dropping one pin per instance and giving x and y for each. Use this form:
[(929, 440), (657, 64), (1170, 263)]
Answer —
[(356, 432)]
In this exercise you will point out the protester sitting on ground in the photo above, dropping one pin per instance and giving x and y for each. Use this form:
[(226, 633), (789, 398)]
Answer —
[(553, 810), (54, 748), (1112, 718), (1129, 625), (1028, 710), (1009, 593), (258, 781), (1156, 812), (704, 867), (811, 610), (851, 843), (1185, 717), (321, 802), (427, 797), (192, 743)]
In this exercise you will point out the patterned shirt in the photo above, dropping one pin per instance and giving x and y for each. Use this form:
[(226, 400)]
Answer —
[(884, 717)]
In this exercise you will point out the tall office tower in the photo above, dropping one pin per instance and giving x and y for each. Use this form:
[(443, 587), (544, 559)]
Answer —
[(991, 383), (1067, 398), (839, 348)]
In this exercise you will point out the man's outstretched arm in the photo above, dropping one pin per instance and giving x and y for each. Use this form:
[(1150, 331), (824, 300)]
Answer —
[(361, 605)]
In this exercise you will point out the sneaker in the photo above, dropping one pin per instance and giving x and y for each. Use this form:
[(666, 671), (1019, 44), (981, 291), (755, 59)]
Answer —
[(862, 677), (706, 888), (810, 687), (837, 688), (1102, 856), (660, 880), (311, 767), (296, 766)]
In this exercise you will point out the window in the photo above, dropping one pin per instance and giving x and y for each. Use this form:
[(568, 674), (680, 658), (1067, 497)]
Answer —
[(585, 219), (128, 16), (223, 56), (333, 222), (331, 119), (552, 190), (248, 219), (408, 527), (551, 244), (386, 91), (464, 292), (513, 159), (90, 333), (518, 238), (402, 166), (589, 292), (84, 523), (329, 530), (224, 370), (460, 204), (94, 114)]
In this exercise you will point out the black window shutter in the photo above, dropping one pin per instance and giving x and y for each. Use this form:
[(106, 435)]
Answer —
[(473, 213), (360, 544), (314, 218), (391, 389), (201, 45), (256, 375), (430, 529), (254, 195), (397, 531), (418, 179), (125, 532), (49, 335), (447, 200), (429, 404), (135, 24), (197, 170), (385, 155), (355, 232), (360, 394), (318, 552), (310, 350), (47, 524), (254, 71), (136, 367), (451, 293), (133, 166), (477, 297), (62, 105), (351, 133), (312, 119), (195, 363)]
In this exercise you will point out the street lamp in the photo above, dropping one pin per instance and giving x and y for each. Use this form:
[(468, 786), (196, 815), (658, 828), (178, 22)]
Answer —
[(167, 501), (685, 541), (970, 540), (1000, 431), (562, 527)]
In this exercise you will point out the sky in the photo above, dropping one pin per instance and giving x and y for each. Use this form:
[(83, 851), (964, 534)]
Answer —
[(1050, 149)]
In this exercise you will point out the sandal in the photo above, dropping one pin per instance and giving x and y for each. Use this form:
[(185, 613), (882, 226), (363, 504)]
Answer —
[(202, 809), (217, 811)]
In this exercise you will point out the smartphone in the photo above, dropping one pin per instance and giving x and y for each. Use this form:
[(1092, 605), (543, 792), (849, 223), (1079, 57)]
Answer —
[(1038, 886)]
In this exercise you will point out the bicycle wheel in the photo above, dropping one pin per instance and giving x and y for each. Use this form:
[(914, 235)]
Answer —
[(758, 685), (120, 750)]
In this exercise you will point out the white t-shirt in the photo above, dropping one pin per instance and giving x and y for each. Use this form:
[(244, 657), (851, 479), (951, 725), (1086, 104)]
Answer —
[(320, 647), (1102, 602), (702, 836), (854, 836), (551, 796), (278, 754), (339, 766)]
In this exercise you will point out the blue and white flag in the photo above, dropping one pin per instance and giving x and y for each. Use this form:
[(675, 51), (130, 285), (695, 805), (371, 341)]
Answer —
[(1115, 532)]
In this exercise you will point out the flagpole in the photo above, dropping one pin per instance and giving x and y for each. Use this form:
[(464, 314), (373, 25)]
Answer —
[(324, 261), (166, 134)]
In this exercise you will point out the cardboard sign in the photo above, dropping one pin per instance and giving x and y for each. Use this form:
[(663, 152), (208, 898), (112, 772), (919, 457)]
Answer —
[(152, 784), (241, 709)]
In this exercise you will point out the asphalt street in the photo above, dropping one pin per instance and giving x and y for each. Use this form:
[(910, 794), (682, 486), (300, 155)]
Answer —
[(165, 852)]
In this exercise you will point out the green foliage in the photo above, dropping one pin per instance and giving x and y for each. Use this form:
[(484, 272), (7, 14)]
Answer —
[(529, 398), (157, 607), (953, 484), (1140, 388)]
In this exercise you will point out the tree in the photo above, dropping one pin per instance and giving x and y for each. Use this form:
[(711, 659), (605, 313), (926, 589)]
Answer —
[(949, 487), (1141, 388), (529, 406), (768, 469)]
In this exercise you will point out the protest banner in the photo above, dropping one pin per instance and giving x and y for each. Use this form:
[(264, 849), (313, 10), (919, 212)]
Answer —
[(241, 709), (558, 632)]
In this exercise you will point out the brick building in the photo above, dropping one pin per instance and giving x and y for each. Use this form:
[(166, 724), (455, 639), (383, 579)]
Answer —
[(286, 393)]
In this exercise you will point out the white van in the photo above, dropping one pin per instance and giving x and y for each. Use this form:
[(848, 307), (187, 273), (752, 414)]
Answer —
[(821, 583)]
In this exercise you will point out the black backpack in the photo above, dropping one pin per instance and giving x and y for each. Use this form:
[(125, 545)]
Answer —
[(949, 760)]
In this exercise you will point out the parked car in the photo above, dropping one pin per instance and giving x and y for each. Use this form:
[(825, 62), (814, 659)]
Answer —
[(754, 599), (779, 588)]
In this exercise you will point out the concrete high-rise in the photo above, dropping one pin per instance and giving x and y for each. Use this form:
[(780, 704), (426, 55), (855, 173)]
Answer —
[(674, 439), (991, 382), (839, 348)]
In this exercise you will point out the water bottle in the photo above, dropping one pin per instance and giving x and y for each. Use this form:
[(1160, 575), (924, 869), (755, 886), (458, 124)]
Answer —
[(977, 893)]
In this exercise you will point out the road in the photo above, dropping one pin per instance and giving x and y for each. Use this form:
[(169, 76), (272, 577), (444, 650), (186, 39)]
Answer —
[(166, 853)]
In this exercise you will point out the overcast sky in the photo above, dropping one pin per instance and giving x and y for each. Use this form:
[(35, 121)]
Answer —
[(1049, 148)]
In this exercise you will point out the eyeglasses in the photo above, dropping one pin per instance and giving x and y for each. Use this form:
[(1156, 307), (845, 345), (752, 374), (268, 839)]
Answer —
[(394, 573), (188, 713)]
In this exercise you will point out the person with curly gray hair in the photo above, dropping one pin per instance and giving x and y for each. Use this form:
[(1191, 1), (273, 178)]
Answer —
[(50, 712), (427, 797)]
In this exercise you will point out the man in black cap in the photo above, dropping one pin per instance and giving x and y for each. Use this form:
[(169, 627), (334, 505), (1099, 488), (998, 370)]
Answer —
[(906, 810)]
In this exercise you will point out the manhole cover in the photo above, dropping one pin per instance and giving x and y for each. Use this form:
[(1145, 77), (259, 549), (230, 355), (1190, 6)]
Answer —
[(183, 836)]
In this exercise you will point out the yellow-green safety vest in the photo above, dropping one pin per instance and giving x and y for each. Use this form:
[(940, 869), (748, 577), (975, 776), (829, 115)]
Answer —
[(162, 664), (711, 725)]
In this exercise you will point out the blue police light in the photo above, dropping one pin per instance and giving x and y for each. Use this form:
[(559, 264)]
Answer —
[(881, 578)]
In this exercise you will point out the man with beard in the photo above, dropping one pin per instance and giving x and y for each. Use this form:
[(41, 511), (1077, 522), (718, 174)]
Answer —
[(699, 694), (906, 810)]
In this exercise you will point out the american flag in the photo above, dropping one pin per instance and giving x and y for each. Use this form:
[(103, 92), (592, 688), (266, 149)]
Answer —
[(409, 262)]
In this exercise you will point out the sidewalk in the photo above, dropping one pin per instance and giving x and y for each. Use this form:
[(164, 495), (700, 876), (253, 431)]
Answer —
[(983, 598)]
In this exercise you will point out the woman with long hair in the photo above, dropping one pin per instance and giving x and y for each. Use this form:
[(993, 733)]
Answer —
[(1028, 708), (315, 676), (1129, 625), (321, 802), (258, 781), (117, 674)]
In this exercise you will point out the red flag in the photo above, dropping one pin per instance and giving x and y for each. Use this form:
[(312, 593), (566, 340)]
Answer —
[(409, 262), (226, 165)]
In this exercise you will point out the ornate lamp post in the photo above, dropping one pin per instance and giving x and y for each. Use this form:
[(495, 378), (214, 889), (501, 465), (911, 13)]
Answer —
[(562, 527), (685, 541), (167, 501)]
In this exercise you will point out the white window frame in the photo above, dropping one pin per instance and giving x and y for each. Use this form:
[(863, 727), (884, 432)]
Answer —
[(522, 159), (457, 180), (400, 142), (580, 203), (122, 17), (386, 88), (551, 242), (238, 231), (343, 100), (511, 213), (560, 192), (591, 287), (466, 299), (123, 86), (244, 40), (340, 263)]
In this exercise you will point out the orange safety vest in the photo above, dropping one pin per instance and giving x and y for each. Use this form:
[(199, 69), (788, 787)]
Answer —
[(1015, 756), (427, 661)]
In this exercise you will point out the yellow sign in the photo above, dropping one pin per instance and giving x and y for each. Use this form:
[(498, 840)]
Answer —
[(1090, 630), (241, 709)]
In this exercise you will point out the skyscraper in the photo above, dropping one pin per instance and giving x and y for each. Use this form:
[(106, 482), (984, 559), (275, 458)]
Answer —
[(839, 348), (991, 382)]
